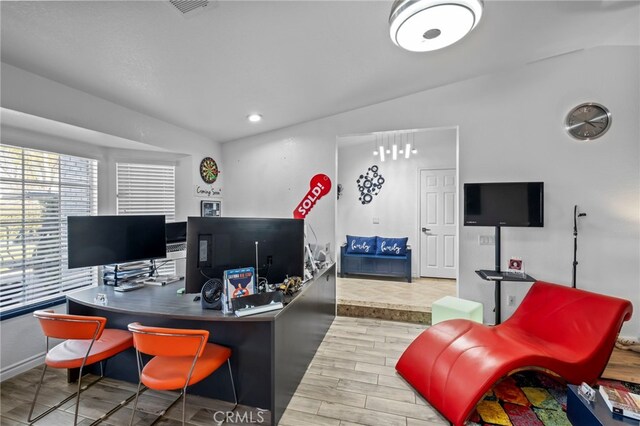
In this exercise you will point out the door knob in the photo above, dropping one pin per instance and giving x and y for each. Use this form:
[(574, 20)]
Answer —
[(426, 229)]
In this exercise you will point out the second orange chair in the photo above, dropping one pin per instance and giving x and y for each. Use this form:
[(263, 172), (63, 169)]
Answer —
[(182, 357)]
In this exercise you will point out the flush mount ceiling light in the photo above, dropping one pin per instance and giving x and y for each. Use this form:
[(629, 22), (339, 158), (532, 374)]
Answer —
[(424, 25), (254, 118)]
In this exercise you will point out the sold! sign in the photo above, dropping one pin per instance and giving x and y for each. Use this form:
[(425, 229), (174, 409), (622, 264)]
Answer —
[(319, 186)]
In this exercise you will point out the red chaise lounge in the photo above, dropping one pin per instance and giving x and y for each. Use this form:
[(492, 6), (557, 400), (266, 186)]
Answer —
[(567, 331)]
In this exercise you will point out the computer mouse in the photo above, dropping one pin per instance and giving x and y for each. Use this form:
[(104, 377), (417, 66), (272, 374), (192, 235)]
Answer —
[(195, 299)]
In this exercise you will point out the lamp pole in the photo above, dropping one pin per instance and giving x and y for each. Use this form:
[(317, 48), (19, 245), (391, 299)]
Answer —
[(576, 215)]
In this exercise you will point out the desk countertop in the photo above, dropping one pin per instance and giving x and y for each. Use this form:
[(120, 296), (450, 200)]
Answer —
[(165, 301)]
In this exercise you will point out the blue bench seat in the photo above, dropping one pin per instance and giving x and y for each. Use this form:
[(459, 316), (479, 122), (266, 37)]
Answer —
[(374, 264)]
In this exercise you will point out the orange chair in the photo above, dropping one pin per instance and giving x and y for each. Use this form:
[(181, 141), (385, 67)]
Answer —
[(182, 357), (87, 342)]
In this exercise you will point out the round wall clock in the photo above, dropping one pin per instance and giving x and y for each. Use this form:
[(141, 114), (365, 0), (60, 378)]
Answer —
[(588, 121), (209, 170)]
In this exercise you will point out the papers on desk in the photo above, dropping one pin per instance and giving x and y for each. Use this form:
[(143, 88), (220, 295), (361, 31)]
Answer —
[(273, 306)]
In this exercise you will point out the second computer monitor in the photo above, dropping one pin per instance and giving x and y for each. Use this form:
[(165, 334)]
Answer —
[(217, 244)]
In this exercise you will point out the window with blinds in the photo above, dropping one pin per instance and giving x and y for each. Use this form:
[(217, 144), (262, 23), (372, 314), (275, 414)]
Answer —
[(147, 189), (38, 191)]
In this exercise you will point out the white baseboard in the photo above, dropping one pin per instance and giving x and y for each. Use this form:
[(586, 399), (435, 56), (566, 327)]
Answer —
[(20, 367)]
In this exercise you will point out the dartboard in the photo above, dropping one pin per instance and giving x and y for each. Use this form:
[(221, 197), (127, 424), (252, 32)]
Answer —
[(209, 170)]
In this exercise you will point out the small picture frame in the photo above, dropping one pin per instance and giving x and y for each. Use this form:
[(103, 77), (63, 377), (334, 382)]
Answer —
[(516, 265), (210, 208)]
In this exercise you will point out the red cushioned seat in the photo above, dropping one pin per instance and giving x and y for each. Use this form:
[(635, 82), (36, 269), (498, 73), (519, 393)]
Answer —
[(71, 353), (87, 342), (182, 357), (567, 331), (167, 373)]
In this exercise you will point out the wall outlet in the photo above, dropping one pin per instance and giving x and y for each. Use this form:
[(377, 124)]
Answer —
[(376, 220), (486, 240), (511, 301)]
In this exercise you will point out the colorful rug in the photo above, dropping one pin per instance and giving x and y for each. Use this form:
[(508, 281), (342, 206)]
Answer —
[(529, 398)]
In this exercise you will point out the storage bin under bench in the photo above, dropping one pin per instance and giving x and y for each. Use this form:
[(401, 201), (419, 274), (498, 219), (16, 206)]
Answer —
[(373, 264)]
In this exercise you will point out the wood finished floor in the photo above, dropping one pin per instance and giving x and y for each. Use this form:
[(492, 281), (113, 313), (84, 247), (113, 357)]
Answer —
[(350, 381), (399, 294)]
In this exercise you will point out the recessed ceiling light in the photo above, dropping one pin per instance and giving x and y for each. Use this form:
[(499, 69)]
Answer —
[(254, 118), (424, 25)]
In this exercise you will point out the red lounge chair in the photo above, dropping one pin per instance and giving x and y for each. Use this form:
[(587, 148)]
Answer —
[(567, 331)]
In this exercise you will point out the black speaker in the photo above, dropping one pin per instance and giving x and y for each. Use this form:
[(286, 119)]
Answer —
[(211, 295)]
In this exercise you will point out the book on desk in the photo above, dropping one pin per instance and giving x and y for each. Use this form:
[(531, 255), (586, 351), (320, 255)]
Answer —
[(621, 402)]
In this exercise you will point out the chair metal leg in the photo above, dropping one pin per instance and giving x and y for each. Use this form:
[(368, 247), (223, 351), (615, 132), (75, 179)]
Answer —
[(61, 403), (75, 417), (161, 415), (135, 404), (117, 407), (33, 404), (235, 396), (184, 404)]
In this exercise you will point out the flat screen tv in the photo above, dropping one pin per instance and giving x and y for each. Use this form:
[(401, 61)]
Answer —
[(217, 244), (504, 204), (103, 240)]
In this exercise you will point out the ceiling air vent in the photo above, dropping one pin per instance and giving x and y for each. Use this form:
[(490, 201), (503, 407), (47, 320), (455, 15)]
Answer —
[(189, 7)]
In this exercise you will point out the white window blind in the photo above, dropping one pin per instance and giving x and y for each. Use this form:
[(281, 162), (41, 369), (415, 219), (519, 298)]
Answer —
[(38, 190), (148, 189)]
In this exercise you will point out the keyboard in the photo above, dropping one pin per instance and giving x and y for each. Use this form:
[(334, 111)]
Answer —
[(258, 309), (162, 279), (176, 247), (128, 287)]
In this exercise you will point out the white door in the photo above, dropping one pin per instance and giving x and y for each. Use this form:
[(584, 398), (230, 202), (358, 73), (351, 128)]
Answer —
[(438, 223)]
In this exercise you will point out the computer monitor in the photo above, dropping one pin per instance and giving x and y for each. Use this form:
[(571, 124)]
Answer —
[(176, 232), (103, 240), (217, 244), (176, 240)]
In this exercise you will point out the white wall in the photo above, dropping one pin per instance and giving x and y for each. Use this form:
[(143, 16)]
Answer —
[(510, 129), (31, 94), (22, 344), (267, 176), (396, 206)]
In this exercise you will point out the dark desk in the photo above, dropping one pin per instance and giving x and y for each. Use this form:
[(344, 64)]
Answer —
[(271, 351)]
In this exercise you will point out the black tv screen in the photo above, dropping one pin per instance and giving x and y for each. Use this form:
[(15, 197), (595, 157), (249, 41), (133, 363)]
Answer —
[(504, 204), (217, 244), (103, 240)]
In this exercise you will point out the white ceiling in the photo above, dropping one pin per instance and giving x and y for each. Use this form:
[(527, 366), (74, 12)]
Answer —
[(292, 61)]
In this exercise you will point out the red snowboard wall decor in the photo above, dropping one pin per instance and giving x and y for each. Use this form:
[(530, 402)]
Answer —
[(319, 186)]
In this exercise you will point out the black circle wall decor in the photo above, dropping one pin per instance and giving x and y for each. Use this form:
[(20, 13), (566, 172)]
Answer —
[(209, 170), (369, 184)]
